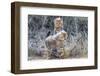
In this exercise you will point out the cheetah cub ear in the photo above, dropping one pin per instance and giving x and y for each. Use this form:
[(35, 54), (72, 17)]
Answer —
[(65, 34)]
